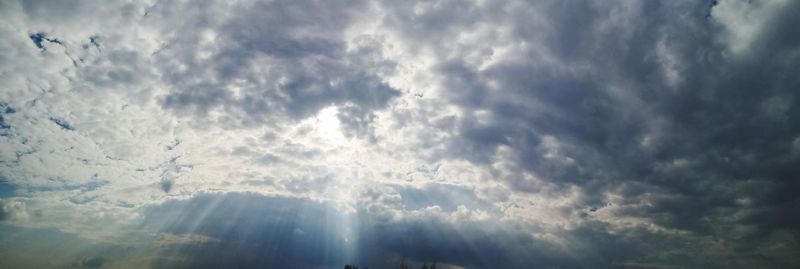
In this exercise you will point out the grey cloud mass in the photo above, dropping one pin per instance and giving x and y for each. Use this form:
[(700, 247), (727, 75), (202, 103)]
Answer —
[(470, 134)]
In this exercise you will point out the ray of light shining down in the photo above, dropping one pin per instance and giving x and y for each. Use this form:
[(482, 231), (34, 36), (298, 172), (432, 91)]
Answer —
[(399, 134)]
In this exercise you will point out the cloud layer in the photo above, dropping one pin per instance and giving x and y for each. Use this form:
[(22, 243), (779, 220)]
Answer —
[(312, 134)]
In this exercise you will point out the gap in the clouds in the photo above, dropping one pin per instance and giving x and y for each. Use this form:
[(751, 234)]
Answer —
[(39, 39), (6, 108), (5, 126), (94, 41), (62, 123)]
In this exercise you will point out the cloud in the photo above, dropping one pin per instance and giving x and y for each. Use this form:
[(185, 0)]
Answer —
[(303, 233), (517, 134), (12, 210), (272, 61), (624, 101)]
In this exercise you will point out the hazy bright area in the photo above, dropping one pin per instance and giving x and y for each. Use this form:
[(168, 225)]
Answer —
[(470, 134)]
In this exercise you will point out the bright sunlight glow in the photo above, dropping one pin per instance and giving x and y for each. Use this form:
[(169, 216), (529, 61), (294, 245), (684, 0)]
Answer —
[(328, 126)]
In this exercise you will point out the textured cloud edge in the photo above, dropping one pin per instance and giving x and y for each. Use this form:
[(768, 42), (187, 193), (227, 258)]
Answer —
[(473, 134)]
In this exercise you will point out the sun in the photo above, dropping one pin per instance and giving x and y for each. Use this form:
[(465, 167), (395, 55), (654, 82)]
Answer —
[(329, 126)]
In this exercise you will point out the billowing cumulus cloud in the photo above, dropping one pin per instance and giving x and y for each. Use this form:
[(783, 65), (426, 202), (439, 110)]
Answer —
[(473, 134)]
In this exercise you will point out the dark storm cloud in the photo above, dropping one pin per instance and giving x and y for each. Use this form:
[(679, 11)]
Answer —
[(272, 60), (686, 153)]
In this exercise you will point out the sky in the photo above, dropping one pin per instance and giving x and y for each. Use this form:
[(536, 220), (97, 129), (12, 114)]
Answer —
[(473, 134)]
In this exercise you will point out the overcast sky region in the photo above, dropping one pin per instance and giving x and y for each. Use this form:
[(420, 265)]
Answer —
[(473, 134)]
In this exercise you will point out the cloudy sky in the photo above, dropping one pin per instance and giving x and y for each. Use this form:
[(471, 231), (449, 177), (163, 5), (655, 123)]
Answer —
[(473, 134)]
